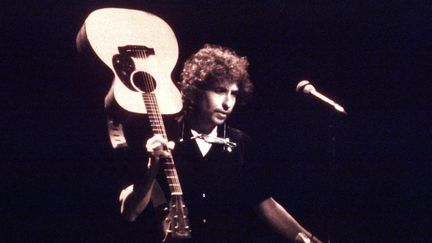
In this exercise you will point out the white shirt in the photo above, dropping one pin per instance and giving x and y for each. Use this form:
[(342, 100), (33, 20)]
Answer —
[(203, 145)]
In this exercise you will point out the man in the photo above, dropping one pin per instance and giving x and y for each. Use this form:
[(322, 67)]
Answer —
[(217, 165)]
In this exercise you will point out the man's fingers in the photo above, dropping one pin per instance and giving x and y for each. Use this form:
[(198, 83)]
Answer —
[(153, 147), (159, 141), (171, 145), (157, 145), (156, 139), (165, 154)]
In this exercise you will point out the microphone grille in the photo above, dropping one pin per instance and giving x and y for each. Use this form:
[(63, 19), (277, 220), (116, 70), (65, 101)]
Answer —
[(300, 86)]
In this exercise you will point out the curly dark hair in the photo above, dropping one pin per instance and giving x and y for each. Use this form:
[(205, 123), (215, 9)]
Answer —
[(213, 64)]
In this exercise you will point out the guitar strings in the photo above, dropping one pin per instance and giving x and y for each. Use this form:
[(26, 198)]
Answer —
[(150, 87), (155, 114)]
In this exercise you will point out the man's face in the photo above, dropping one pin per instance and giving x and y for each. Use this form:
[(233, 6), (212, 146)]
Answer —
[(218, 103)]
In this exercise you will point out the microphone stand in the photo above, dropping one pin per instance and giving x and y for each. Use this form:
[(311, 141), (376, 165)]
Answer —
[(306, 87), (331, 174)]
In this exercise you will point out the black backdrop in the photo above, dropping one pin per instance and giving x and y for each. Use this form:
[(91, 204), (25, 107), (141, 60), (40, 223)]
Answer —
[(364, 177)]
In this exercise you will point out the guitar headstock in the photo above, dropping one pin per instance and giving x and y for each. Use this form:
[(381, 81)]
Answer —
[(177, 218)]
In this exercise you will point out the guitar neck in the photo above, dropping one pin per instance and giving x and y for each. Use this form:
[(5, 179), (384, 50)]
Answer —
[(154, 114), (158, 127)]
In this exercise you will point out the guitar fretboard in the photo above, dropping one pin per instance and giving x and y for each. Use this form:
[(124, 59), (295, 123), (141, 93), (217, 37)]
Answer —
[(158, 127)]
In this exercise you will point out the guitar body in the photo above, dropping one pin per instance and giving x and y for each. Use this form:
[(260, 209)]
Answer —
[(147, 45), (141, 51)]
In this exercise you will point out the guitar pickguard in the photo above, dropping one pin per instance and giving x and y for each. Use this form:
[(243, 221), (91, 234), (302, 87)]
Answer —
[(125, 68)]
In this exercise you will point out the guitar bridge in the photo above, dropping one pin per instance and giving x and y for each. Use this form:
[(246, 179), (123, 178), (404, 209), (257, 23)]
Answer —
[(136, 51)]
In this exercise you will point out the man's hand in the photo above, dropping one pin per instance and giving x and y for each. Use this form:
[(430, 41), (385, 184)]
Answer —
[(135, 198), (158, 147)]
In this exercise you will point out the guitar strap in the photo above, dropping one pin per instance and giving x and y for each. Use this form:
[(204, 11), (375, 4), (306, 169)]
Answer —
[(116, 134)]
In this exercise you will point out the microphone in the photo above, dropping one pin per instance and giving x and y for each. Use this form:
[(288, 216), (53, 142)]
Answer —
[(307, 88), (217, 140)]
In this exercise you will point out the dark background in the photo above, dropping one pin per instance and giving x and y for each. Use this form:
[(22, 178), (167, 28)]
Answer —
[(364, 177)]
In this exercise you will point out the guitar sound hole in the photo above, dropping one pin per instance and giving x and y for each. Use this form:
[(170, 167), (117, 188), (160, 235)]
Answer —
[(143, 82)]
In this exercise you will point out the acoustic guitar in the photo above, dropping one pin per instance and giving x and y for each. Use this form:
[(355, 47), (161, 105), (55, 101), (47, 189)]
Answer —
[(141, 50)]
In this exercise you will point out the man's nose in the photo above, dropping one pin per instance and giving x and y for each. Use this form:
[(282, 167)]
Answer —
[(228, 102)]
